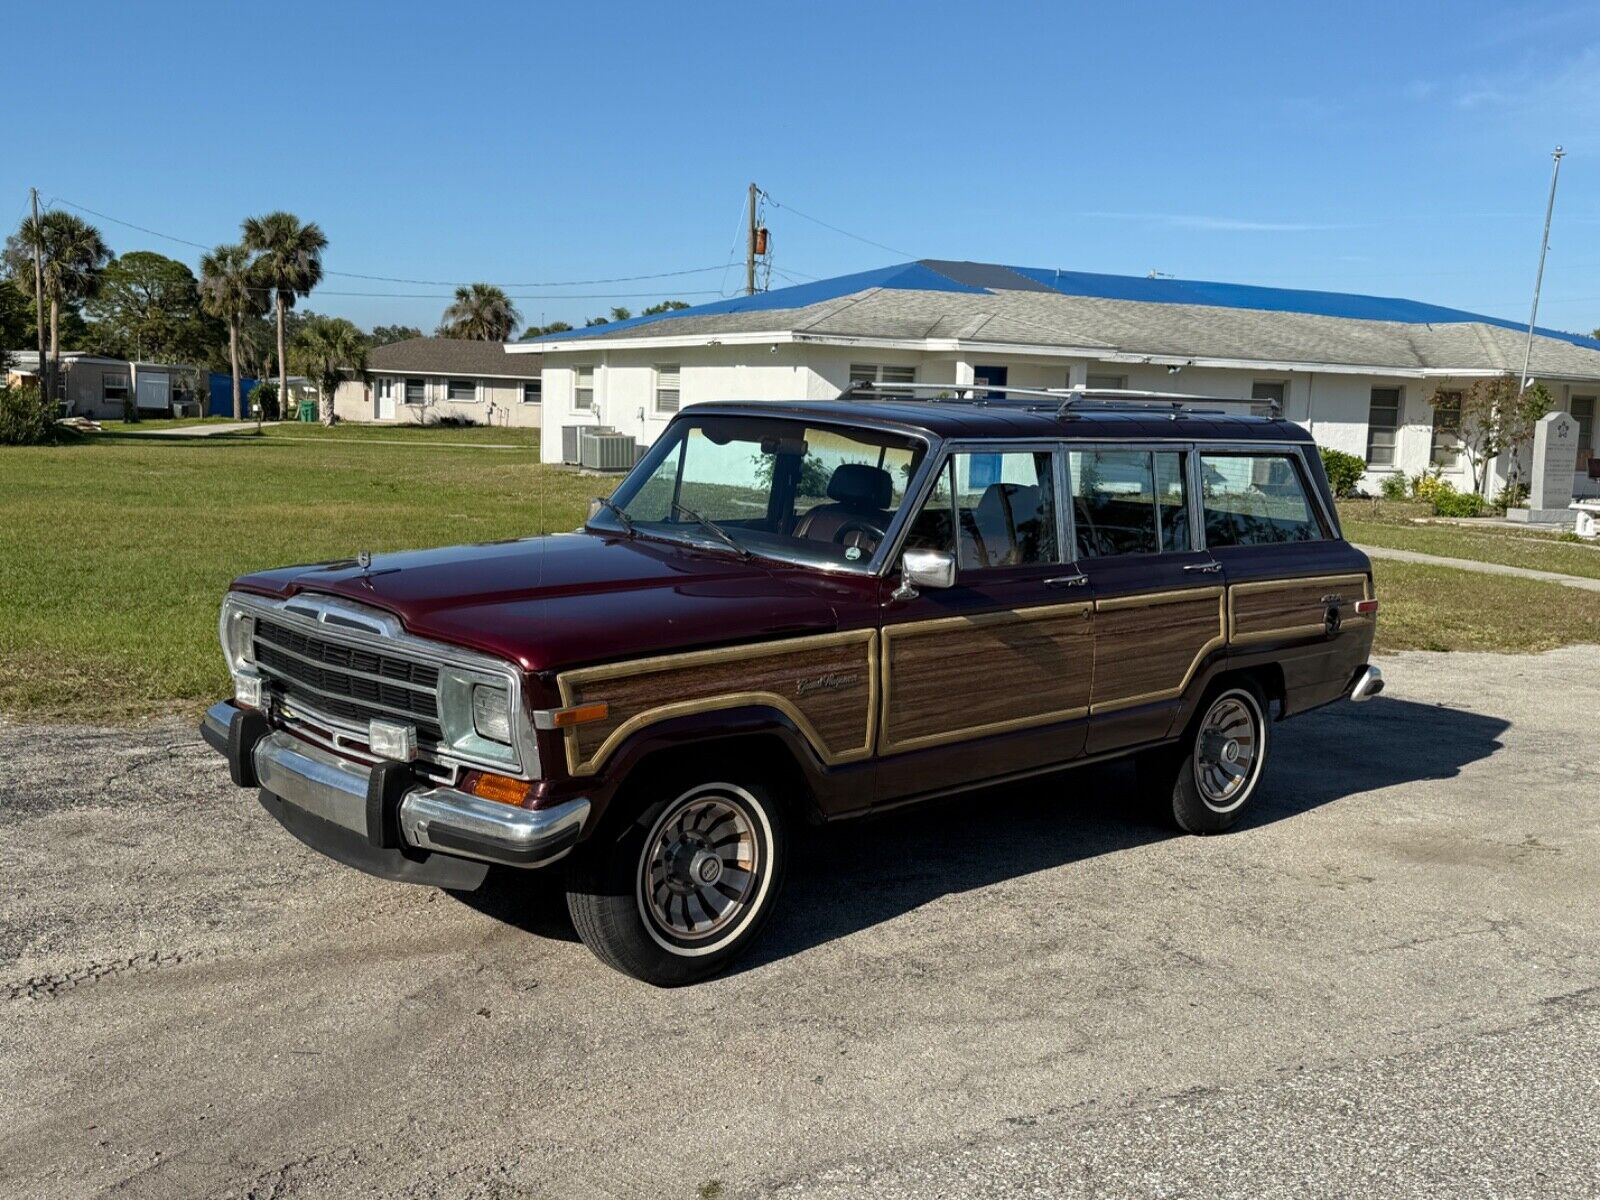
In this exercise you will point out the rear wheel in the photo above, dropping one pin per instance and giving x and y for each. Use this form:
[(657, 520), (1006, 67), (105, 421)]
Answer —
[(1204, 783), (682, 889)]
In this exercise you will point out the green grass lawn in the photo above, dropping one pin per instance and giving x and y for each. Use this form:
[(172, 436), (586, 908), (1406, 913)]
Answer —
[(1539, 549), (115, 551)]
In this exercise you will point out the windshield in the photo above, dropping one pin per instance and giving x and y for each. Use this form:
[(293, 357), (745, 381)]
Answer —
[(780, 488)]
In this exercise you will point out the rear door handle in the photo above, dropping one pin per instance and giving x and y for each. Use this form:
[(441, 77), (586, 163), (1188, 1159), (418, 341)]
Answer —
[(1066, 581), (1210, 568)]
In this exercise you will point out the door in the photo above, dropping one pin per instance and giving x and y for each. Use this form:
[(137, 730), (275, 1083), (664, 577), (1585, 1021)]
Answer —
[(994, 376), (992, 675), (385, 406), (1292, 586), (1160, 604)]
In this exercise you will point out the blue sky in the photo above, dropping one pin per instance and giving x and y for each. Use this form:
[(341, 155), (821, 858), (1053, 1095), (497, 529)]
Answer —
[(1400, 149)]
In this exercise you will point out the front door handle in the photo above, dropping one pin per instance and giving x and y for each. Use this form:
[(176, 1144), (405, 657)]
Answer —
[(1065, 581), (1210, 568)]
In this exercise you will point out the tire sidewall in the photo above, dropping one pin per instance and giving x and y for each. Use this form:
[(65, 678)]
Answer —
[(1190, 808)]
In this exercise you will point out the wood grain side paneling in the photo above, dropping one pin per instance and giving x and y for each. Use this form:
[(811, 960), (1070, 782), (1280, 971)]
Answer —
[(1147, 646), (826, 685), (1282, 608), (954, 678)]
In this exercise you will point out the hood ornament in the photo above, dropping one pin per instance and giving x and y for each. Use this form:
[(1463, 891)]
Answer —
[(364, 559)]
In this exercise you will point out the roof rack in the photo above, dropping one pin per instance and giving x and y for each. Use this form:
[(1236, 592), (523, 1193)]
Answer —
[(1065, 401)]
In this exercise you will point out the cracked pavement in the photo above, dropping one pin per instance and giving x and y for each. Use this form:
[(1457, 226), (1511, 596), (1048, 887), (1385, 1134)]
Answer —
[(1386, 982)]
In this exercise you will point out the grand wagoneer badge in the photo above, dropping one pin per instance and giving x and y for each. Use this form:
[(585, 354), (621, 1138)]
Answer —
[(833, 681)]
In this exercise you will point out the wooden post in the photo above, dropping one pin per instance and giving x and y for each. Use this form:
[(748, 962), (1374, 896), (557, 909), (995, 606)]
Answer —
[(45, 382)]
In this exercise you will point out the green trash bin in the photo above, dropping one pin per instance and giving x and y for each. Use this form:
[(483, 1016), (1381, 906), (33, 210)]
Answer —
[(308, 410)]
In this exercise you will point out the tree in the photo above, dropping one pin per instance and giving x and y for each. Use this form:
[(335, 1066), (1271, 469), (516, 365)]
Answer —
[(73, 255), (664, 306), (148, 306), (620, 313), (1489, 417), (481, 313), (230, 292), (534, 331), (328, 349), (288, 260), (388, 335)]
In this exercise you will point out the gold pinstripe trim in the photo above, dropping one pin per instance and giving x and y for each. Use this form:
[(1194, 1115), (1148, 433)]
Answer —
[(976, 620), (1152, 600), (569, 681), (1236, 638)]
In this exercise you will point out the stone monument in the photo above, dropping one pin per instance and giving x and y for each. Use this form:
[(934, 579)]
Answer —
[(1555, 458)]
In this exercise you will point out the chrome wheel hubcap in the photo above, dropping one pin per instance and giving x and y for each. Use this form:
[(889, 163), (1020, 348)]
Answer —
[(700, 867), (1226, 752)]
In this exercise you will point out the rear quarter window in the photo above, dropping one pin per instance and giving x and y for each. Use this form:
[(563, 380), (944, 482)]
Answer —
[(1256, 500)]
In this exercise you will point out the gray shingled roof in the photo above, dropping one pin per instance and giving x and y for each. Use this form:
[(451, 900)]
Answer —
[(452, 356), (1048, 319)]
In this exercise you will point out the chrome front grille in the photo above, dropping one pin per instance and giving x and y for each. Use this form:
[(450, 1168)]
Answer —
[(348, 683)]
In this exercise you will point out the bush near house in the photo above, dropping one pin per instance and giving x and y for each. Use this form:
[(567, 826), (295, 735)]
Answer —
[(1446, 500), (1393, 487), (1344, 471), (25, 418)]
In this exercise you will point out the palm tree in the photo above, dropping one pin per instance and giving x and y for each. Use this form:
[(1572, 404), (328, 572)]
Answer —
[(326, 349), (73, 254), (288, 260), (230, 290), (481, 313)]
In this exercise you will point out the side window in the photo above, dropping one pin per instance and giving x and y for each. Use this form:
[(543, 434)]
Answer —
[(991, 510), (1113, 502), (1255, 500), (1172, 500)]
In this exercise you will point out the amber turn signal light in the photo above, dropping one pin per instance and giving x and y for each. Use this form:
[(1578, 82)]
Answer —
[(580, 714), (500, 788)]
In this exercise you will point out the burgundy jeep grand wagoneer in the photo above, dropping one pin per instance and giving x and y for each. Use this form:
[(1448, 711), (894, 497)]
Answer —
[(802, 612)]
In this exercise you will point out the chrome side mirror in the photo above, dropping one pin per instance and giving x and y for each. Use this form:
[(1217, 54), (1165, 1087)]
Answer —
[(925, 568)]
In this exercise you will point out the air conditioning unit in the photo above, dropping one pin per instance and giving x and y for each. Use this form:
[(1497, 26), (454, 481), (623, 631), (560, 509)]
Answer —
[(569, 443), (605, 450)]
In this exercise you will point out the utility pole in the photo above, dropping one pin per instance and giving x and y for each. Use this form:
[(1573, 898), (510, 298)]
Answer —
[(45, 381), (750, 247), (1544, 246)]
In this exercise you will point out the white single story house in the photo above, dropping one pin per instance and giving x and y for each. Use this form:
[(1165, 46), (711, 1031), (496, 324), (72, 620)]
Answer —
[(421, 380), (1357, 371), (101, 388)]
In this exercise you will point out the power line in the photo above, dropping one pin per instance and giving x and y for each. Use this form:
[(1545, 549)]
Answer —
[(416, 282), (844, 232)]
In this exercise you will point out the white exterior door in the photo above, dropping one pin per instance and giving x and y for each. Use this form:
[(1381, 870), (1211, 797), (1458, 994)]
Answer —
[(385, 395)]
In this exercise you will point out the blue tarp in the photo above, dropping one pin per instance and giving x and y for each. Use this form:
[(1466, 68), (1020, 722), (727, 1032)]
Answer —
[(221, 404), (936, 275)]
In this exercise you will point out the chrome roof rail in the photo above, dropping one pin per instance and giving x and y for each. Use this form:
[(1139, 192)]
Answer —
[(1064, 401)]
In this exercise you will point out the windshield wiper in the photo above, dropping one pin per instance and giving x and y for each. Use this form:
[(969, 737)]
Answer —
[(616, 511), (712, 527)]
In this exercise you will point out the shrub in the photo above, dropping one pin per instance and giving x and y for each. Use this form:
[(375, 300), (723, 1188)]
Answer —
[(266, 395), (25, 418), (1447, 502), (1513, 495), (1393, 487), (454, 421), (1344, 471)]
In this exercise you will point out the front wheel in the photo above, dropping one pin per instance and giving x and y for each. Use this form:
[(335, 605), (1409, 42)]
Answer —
[(681, 890), (1206, 781)]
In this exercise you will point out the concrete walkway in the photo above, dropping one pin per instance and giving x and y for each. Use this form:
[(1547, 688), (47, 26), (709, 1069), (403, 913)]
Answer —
[(200, 430), (1486, 568)]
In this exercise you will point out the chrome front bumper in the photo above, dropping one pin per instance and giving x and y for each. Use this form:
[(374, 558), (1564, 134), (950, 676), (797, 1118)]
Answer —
[(432, 819)]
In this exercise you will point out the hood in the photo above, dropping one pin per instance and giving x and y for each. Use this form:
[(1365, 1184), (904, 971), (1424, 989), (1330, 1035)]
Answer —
[(571, 599)]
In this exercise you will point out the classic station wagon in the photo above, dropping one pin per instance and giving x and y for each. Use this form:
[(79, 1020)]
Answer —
[(802, 612)]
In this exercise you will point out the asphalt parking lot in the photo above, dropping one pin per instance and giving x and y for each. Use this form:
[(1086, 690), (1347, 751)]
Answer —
[(1387, 982)]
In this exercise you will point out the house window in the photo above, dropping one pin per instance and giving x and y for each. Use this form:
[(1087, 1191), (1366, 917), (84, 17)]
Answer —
[(878, 373), (462, 391), (1583, 410), (114, 387), (667, 394), (416, 391), (1446, 453), (533, 391), (1383, 424), (583, 389), (1270, 397), (1107, 383)]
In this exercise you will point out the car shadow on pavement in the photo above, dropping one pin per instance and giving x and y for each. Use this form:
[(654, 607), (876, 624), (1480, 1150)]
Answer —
[(855, 874), (852, 875)]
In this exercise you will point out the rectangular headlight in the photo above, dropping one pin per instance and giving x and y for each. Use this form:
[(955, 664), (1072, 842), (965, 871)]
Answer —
[(491, 713), (238, 631)]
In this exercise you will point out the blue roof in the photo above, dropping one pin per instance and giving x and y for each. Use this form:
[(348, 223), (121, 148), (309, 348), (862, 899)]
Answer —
[(937, 275)]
